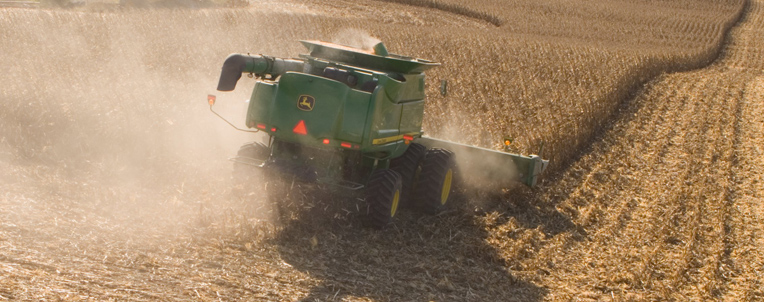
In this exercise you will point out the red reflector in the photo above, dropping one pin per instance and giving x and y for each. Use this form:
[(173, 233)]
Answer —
[(346, 145), (300, 128), (261, 126), (273, 129), (326, 141), (408, 137)]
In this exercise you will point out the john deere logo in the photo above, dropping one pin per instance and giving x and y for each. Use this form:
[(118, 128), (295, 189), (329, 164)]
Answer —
[(306, 102)]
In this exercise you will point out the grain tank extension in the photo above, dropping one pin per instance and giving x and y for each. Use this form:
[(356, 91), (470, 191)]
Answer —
[(353, 118)]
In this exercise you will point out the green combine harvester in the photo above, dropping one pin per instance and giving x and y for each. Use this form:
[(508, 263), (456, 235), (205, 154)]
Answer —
[(353, 118)]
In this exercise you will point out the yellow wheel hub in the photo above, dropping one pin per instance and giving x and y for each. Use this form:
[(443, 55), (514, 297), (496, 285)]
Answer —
[(396, 198), (446, 187)]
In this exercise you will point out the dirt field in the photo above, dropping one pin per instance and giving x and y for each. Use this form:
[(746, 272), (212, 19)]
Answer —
[(114, 180), (667, 205)]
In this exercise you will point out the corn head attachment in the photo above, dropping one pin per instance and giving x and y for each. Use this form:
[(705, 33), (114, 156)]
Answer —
[(497, 166)]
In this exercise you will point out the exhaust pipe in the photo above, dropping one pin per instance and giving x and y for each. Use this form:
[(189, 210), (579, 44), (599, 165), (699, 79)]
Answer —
[(236, 64)]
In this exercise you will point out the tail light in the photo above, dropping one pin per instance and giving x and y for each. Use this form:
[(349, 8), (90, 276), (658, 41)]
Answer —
[(300, 128)]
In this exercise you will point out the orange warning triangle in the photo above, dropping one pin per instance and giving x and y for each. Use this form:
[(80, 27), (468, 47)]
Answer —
[(300, 128)]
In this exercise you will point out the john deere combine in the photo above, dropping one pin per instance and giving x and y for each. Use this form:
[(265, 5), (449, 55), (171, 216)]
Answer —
[(353, 118)]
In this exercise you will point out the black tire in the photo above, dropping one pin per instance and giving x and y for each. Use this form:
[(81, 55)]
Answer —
[(382, 197), (434, 185), (407, 165), (244, 175)]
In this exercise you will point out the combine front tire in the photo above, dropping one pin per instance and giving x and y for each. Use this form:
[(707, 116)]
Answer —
[(434, 184), (407, 165), (382, 196)]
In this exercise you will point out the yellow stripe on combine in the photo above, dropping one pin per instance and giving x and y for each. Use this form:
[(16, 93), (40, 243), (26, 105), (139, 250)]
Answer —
[(385, 140)]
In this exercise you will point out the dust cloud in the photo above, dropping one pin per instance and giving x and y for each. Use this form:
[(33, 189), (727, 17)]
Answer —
[(355, 38), (481, 173), (105, 114)]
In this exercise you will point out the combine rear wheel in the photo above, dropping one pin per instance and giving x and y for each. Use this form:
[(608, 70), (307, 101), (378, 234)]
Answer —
[(245, 175), (407, 166), (382, 197), (434, 183)]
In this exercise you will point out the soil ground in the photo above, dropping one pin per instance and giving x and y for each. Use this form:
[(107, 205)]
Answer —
[(667, 205)]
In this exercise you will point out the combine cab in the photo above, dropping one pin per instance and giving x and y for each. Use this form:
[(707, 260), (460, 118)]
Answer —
[(353, 118)]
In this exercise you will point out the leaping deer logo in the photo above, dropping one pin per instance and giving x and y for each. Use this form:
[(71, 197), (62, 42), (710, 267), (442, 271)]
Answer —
[(306, 102)]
